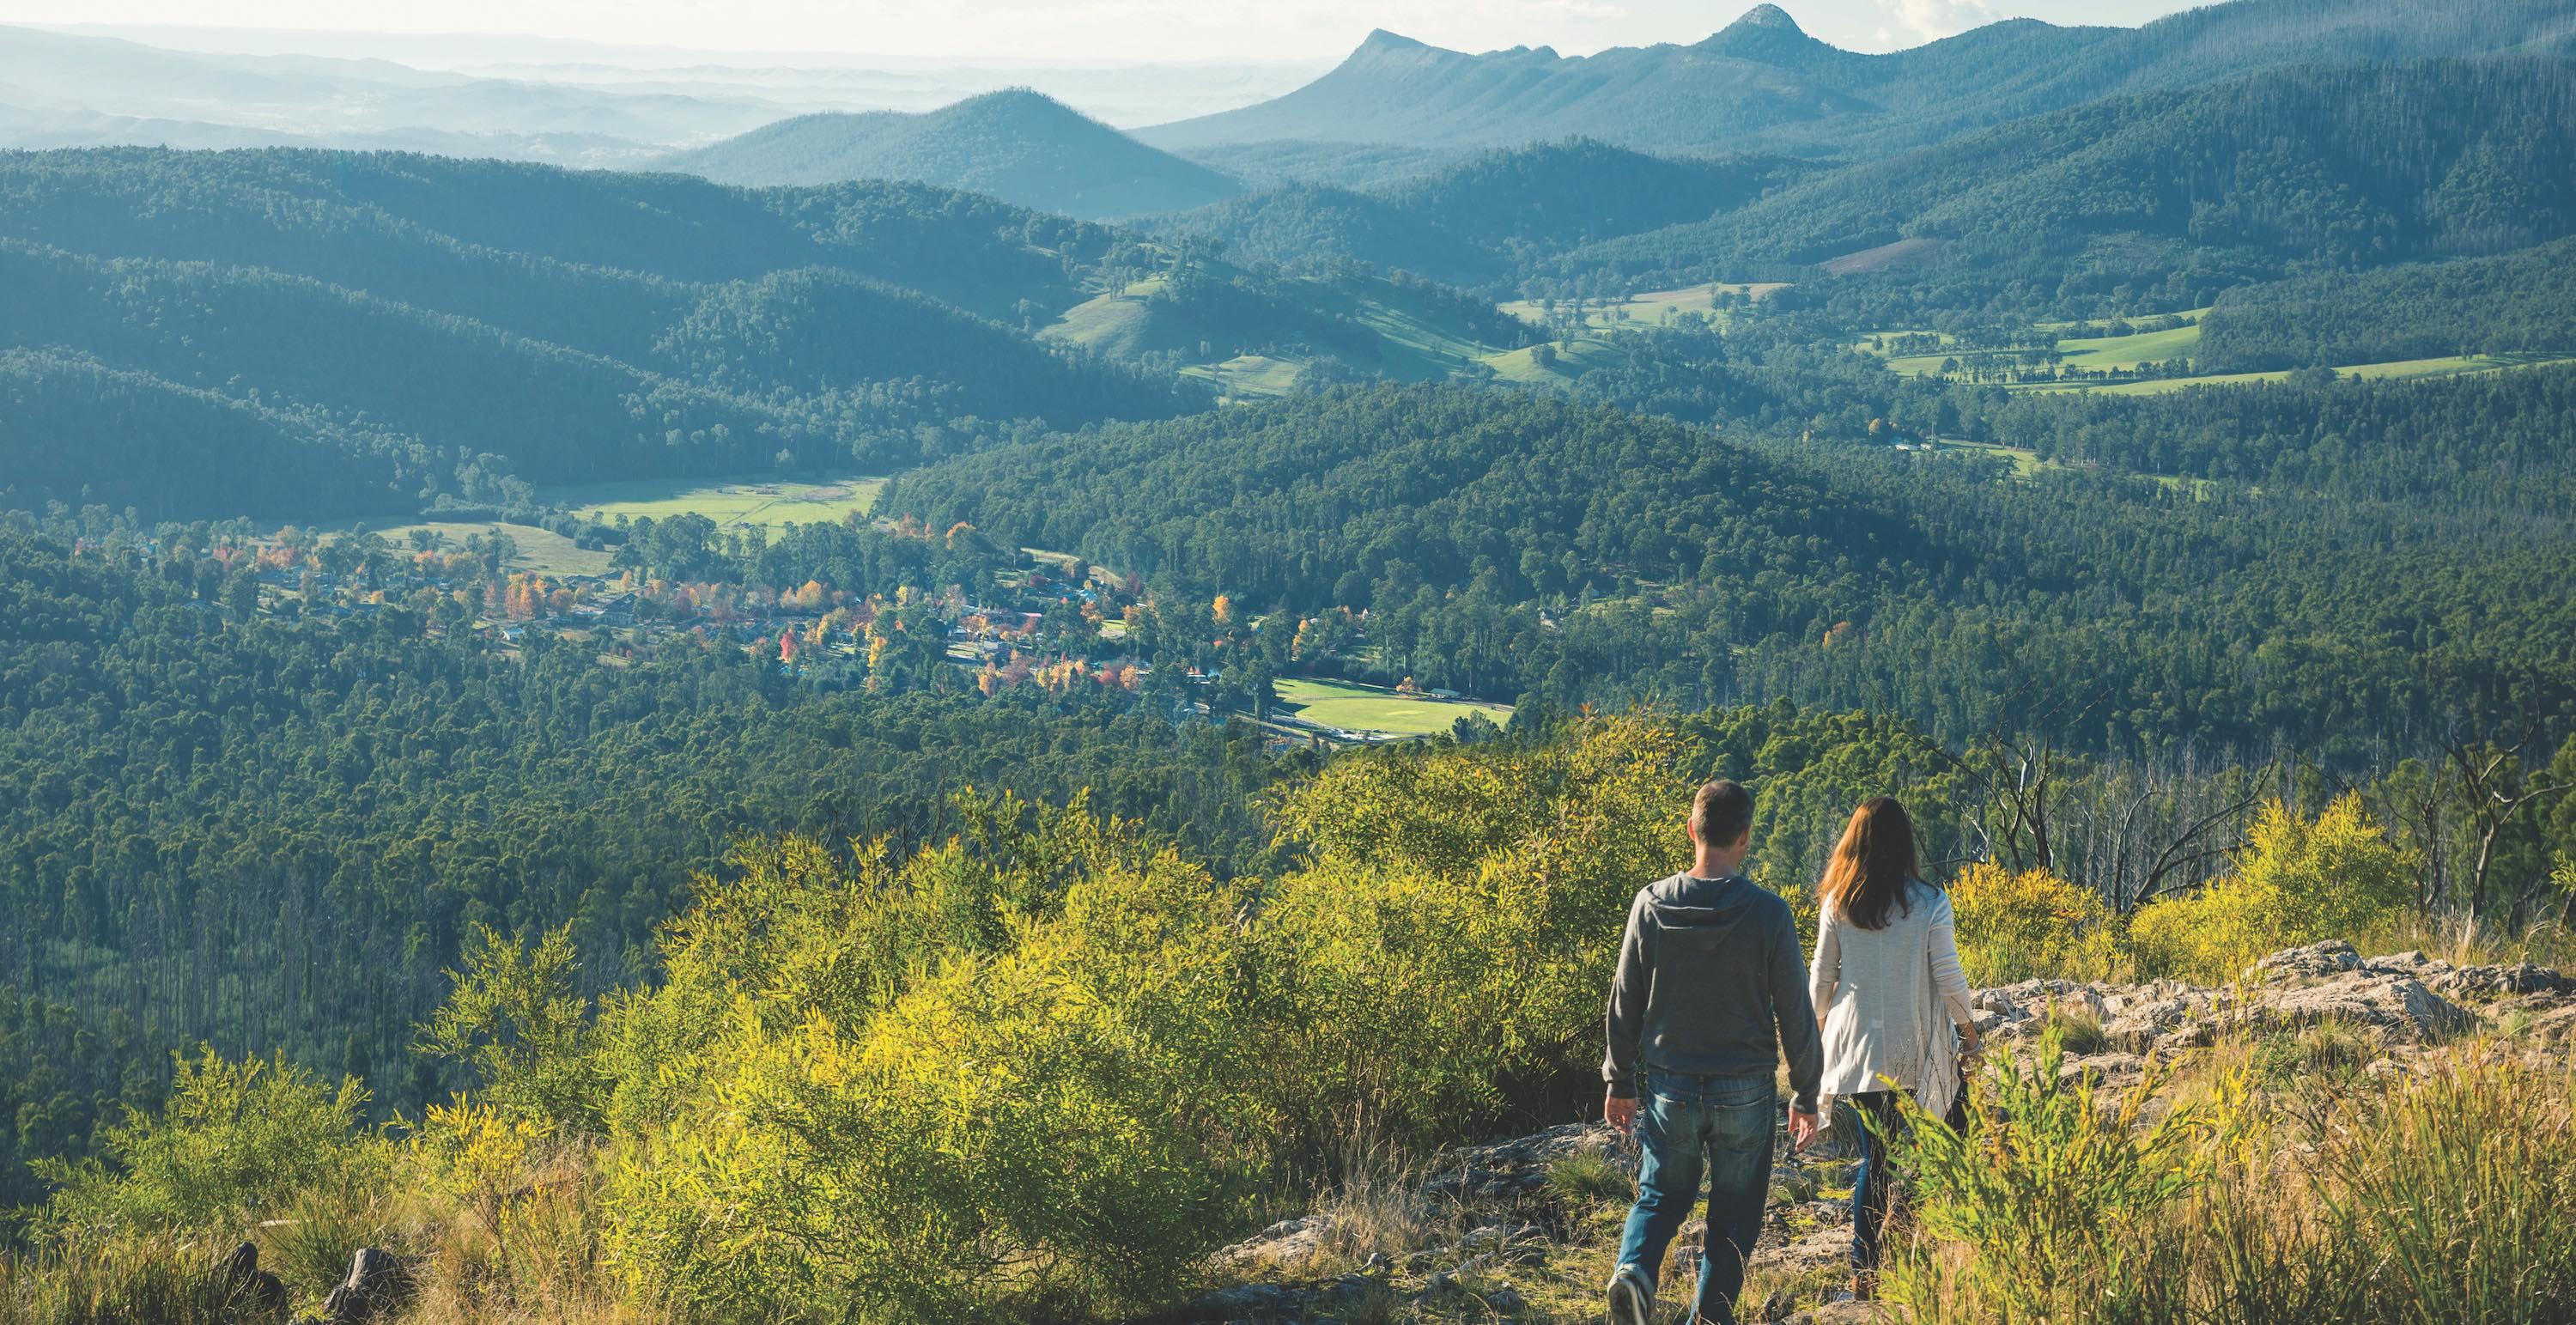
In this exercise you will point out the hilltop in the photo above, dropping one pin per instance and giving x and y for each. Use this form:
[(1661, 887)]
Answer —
[(1023, 147)]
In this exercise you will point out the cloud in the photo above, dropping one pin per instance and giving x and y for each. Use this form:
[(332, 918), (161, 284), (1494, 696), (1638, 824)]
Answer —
[(1931, 20)]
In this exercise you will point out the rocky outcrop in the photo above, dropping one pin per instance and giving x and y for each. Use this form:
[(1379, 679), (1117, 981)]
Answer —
[(1510, 1213)]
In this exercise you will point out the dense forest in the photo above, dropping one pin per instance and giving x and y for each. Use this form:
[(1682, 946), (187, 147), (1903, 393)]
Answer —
[(2513, 302), (2161, 200), (1491, 220)]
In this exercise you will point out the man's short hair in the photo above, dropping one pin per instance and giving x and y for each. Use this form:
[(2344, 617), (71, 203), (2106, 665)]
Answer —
[(1721, 812)]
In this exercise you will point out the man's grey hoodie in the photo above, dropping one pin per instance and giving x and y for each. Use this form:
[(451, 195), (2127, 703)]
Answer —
[(1712, 983)]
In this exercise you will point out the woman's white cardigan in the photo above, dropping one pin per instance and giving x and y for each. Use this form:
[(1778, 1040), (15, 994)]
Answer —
[(1890, 997)]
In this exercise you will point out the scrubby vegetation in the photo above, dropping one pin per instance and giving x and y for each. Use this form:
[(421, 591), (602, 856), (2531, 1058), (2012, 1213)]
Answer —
[(1041, 1066)]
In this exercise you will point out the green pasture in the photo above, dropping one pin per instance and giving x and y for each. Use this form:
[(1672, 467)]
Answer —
[(1650, 308), (1247, 375), (2396, 370), (1361, 708), (732, 504), (2133, 349), (1573, 359), (540, 550)]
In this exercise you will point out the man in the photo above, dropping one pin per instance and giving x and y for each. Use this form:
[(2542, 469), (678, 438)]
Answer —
[(1711, 988)]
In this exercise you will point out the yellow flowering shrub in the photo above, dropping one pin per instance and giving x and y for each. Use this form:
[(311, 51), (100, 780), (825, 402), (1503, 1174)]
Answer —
[(2029, 925), (2297, 881)]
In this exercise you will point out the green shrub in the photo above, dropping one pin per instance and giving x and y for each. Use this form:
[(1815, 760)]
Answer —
[(235, 1138), (2033, 1212), (1455, 898), (867, 1101)]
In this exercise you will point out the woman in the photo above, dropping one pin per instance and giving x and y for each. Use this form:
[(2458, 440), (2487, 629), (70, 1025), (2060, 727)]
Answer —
[(1888, 989)]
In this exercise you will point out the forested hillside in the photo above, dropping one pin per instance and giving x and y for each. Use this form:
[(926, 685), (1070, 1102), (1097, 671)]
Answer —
[(431, 346), (1487, 221), (1582, 554), (2514, 302), (2162, 200)]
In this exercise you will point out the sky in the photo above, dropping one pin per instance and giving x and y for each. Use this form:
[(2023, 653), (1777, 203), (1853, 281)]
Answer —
[(1088, 31)]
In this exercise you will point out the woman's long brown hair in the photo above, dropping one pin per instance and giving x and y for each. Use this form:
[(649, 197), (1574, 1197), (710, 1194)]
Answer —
[(1865, 881)]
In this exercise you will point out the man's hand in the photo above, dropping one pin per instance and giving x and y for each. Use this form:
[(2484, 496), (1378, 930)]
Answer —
[(1620, 1113), (1803, 1127)]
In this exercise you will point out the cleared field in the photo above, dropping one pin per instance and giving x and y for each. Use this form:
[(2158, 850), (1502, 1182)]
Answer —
[(732, 505), (2131, 350), (2025, 462), (1251, 375), (1116, 323), (1573, 358), (540, 550), (1653, 306), (1360, 708), (2449, 366)]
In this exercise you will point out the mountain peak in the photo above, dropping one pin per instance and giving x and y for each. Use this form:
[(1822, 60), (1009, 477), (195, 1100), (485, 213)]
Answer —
[(1765, 34), (1768, 16), (1382, 40)]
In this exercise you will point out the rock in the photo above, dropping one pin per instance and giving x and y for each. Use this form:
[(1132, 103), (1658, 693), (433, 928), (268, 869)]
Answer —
[(244, 1282), (2111, 1070), (1448, 1279), (1243, 1302), (376, 1286), (1517, 1168), (2488, 983), (1823, 1249), (2396, 1009), (1506, 1302), (2315, 961), (1284, 1243), (1492, 1235)]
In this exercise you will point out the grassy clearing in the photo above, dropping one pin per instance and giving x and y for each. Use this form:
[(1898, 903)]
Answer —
[(1247, 375), (1411, 338), (1573, 359), (540, 550), (1370, 709), (2025, 462), (1114, 324), (737, 504), (1652, 307), (2129, 351), (2447, 366)]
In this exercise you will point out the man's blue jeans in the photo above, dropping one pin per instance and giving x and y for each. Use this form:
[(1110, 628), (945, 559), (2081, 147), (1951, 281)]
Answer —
[(1687, 1124)]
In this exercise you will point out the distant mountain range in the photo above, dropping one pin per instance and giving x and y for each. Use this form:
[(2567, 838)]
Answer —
[(216, 88), (1020, 146), (1763, 84)]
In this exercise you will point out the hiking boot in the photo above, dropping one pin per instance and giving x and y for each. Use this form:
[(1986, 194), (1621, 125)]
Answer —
[(1632, 1297)]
